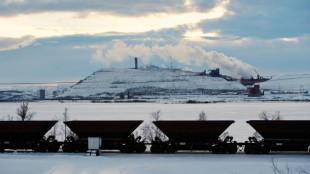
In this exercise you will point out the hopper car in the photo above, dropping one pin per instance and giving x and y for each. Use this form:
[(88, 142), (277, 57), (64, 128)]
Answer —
[(115, 135), (194, 135), (27, 135), (279, 135)]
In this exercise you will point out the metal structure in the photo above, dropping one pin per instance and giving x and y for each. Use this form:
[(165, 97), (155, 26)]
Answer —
[(41, 94), (194, 135), (279, 135), (215, 72), (255, 91), (27, 135), (136, 63), (114, 135), (252, 81)]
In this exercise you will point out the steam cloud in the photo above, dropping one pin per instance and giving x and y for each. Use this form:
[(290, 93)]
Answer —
[(182, 53)]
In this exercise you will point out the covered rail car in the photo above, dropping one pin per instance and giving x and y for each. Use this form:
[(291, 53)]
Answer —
[(194, 135), (115, 135), (27, 135), (279, 135)]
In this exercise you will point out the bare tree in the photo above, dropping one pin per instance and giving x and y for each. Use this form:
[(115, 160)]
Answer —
[(150, 131), (275, 168), (287, 170), (9, 117), (156, 115), (23, 112), (263, 115), (147, 131), (302, 171), (276, 116), (266, 116), (66, 117), (54, 131), (202, 116)]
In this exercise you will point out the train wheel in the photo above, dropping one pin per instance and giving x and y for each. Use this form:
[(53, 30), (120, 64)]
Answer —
[(231, 148), (153, 149), (170, 149), (82, 148), (123, 149), (131, 149), (127, 149), (140, 148), (68, 148), (249, 149), (216, 149), (53, 146), (40, 147), (1, 149), (265, 149), (156, 149)]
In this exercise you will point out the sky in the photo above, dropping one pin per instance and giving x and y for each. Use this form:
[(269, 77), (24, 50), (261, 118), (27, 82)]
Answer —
[(67, 40)]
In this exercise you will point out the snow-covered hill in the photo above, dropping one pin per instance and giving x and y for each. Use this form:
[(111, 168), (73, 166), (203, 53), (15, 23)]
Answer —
[(288, 83), (154, 84), (149, 80)]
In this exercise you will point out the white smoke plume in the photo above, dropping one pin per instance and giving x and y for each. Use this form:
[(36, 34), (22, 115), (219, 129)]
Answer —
[(183, 53)]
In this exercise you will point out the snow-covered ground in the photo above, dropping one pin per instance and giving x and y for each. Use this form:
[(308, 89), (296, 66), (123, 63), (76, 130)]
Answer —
[(65, 163), (115, 163), (288, 83)]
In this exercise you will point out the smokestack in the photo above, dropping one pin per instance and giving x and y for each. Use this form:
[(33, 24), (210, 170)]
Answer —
[(136, 63)]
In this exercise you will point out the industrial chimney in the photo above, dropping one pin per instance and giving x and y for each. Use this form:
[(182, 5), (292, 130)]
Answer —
[(136, 63)]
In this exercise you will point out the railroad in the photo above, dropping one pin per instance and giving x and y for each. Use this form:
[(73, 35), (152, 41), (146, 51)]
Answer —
[(188, 135)]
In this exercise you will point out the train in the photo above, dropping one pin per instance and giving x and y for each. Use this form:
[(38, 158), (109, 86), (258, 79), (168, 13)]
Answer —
[(190, 135)]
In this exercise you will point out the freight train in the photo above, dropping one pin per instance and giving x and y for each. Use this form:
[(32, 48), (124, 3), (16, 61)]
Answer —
[(277, 135)]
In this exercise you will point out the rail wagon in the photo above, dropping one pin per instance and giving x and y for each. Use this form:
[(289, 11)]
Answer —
[(27, 135), (115, 135), (279, 135), (194, 135)]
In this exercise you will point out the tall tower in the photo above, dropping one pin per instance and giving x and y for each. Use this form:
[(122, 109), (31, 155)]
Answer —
[(136, 63)]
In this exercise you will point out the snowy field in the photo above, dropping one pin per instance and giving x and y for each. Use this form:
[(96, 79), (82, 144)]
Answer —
[(33, 163), (116, 163)]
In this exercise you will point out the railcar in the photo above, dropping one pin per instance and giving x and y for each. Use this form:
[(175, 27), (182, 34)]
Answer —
[(194, 135), (115, 135), (27, 135), (279, 135)]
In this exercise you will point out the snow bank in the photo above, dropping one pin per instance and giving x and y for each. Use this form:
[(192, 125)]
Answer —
[(114, 163)]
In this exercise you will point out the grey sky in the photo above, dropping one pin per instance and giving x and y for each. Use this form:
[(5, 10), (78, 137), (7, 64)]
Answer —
[(68, 40)]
